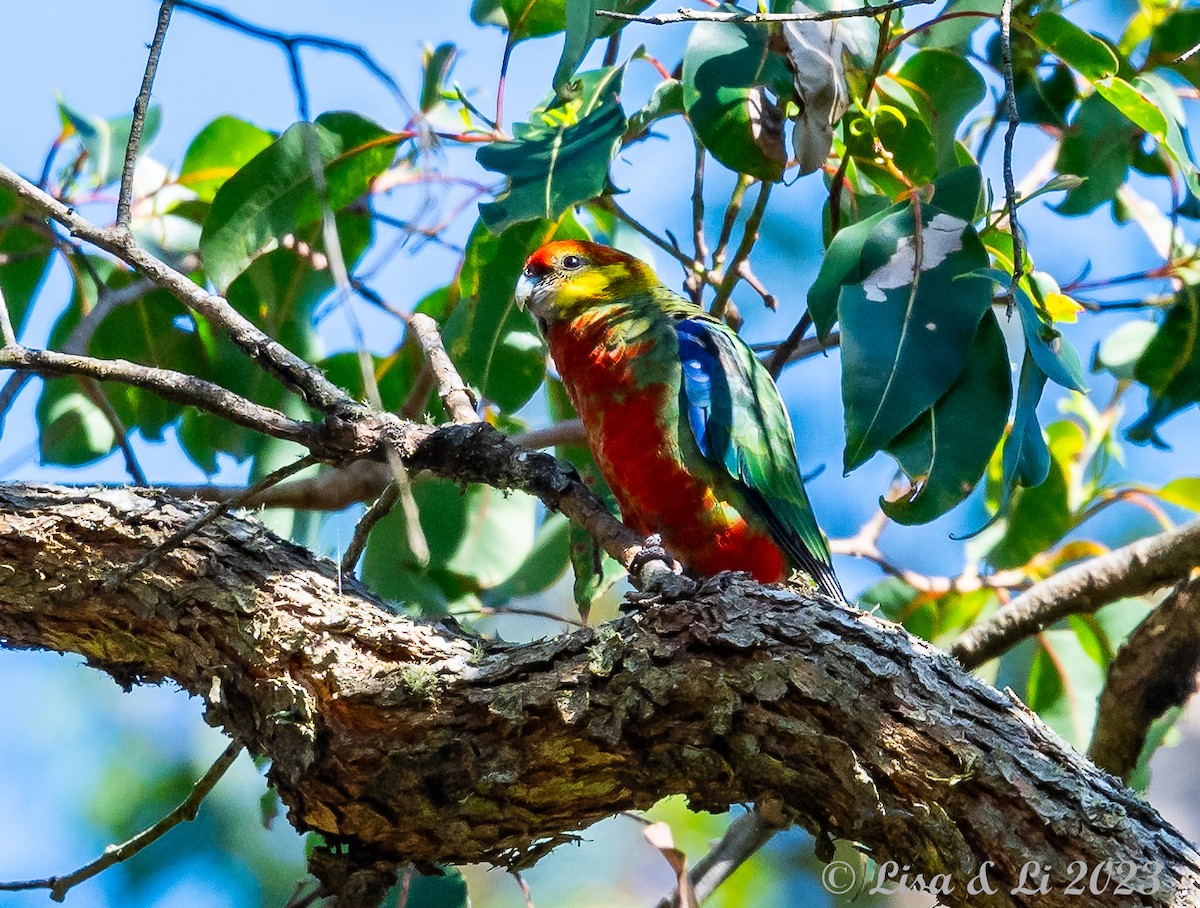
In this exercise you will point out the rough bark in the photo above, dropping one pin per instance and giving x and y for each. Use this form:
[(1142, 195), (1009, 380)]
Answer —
[(415, 741)]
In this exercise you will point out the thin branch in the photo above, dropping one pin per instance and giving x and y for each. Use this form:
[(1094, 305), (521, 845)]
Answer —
[(732, 210), (115, 854), (294, 372), (289, 43), (503, 79), (380, 508), (567, 432), (96, 395), (456, 396), (117, 578), (749, 238), (700, 15), (167, 384), (784, 352), (1131, 570), (125, 198), (742, 838), (1014, 120), (1154, 671), (699, 243)]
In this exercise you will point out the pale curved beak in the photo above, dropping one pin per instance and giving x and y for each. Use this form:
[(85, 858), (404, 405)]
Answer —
[(524, 291)]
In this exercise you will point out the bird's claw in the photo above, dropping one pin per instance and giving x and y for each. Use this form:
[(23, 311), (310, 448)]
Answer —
[(652, 550)]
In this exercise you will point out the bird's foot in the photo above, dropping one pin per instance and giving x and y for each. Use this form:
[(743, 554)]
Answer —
[(658, 575)]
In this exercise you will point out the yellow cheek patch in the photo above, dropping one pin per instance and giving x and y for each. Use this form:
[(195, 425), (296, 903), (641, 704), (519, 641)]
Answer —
[(586, 286)]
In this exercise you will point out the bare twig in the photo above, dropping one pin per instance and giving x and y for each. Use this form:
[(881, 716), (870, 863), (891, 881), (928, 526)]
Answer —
[(290, 45), (702, 15), (732, 210), (749, 238), (694, 281), (456, 396), (192, 526), (1131, 570), (167, 384), (567, 432), (96, 395), (380, 508), (742, 838), (125, 198), (783, 353), (115, 854), (1014, 120), (1154, 671)]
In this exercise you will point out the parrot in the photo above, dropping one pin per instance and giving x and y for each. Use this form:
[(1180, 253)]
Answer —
[(685, 424)]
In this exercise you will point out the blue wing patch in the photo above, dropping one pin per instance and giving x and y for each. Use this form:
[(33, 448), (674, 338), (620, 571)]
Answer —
[(699, 366)]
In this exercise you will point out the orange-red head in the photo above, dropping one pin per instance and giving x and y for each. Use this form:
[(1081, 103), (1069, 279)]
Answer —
[(567, 277)]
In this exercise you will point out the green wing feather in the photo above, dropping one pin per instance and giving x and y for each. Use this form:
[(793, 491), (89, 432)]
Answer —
[(740, 423)]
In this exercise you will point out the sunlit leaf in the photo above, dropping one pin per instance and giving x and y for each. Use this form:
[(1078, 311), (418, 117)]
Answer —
[(1184, 492), (561, 156), (729, 76), (1087, 54), (273, 195), (1119, 352), (219, 151), (946, 88)]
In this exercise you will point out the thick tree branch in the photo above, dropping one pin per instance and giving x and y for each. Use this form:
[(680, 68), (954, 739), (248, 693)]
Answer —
[(411, 741), (1154, 671), (1133, 570)]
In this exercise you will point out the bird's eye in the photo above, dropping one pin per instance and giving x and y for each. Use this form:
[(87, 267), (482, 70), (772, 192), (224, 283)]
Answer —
[(571, 262)]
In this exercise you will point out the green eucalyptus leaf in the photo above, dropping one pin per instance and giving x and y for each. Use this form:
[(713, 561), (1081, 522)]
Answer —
[(1091, 57), (841, 266), (274, 196), (1052, 352), (583, 27), (219, 151), (437, 64), (24, 259), (545, 564), (1184, 491), (1170, 367), (559, 158), (946, 88), (666, 101), (729, 73), (1118, 353), (105, 141), (1172, 39), (72, 431), (476, 540), (1098, 148), (908, 321), (947, 449)]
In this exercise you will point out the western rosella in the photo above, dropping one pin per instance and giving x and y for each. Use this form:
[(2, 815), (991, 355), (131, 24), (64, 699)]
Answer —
[(685, 423)]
